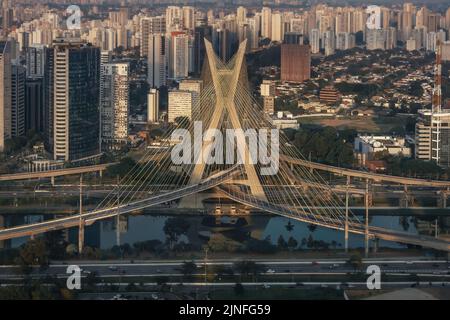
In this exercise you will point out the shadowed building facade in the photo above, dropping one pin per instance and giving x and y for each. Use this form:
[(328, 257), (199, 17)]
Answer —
[(295, 62)]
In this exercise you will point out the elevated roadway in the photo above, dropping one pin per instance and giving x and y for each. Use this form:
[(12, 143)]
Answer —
[(367, 175), (54, 173)]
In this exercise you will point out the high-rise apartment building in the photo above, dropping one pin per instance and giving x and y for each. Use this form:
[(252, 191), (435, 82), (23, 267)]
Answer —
[(148, 27), (266, 22), (114, 108), (315, 41), (157, 61), (153, 106), (180, 104), (329, 42), (277, 33), (17, 100), (35, 60), (179, 56), (189, 17)]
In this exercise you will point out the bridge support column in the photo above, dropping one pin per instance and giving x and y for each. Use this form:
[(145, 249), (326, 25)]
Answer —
[(366, 220), (52, 181), (81, 222), (81, 237), (407, 198), (2, 226), (346, 215), (118, 230), (375, 245), (444, 199)]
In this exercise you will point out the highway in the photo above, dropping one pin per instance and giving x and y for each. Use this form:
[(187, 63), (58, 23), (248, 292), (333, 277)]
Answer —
[(152, 269)]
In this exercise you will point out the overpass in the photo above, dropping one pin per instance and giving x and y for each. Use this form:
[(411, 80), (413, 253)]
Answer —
[(89, 218), (367, 175), (54, 173)]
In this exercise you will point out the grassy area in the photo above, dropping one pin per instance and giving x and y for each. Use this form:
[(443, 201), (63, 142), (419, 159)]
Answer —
[(360, 124)]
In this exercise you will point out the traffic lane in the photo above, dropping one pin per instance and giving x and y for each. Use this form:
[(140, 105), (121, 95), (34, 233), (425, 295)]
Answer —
[(161, 269)]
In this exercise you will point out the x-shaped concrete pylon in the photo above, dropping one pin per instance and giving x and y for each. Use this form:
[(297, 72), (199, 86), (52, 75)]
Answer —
[(226, 80)]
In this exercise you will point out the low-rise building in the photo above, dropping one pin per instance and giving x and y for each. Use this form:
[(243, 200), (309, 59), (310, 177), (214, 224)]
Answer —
[(369, 145), (284, 120)]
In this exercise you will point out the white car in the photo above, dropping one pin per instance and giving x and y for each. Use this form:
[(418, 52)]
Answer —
[(270, 271)]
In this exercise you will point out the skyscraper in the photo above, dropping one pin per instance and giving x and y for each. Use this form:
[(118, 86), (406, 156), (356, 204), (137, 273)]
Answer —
[(315, 41), (114, 108), (329, 42), (34, 105), (75, 104), (8, 16), (5, 93), (266, 23), (149, 26), (35, 60), (277, 27), (200, 34), (157, 61), (189, 17), (295, 62), (179, 56), (17, 100)]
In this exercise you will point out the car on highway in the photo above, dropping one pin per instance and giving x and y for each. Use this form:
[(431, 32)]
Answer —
[(113, 268), (270, 271)]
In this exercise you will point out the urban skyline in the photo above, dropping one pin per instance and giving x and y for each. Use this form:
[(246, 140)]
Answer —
[(246, 150)]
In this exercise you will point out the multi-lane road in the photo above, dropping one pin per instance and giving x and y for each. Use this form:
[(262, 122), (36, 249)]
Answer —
[(150, 269)]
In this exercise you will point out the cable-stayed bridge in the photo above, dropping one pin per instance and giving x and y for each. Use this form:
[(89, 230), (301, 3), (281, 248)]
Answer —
[(226, 104)]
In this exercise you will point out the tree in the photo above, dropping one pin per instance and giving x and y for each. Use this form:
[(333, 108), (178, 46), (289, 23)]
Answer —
[(355, 261), (122, 168), (292, 243), (56, 244), (34, 252), (289, 226), (174, 228), (188, 268), (282, 244), (246, 267)]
